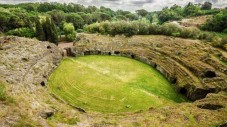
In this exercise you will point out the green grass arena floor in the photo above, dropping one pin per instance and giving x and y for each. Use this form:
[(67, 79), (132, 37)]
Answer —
[(111, 84)]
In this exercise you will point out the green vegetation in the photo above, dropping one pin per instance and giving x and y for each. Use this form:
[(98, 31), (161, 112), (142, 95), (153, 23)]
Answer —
[(69, 30), (2, 92), (63, 118), (143, 27), (3, 95), (111, 84), (217, 23), (21, 19), (22, 32)]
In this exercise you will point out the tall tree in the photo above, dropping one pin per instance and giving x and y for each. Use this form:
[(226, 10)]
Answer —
[(206, 6), (142, 12), (53, 33), (40, 35)]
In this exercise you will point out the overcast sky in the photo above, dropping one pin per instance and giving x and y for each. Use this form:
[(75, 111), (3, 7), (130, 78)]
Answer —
[(130, 5)]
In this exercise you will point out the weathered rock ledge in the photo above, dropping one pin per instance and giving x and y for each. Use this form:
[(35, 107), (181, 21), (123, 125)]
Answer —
[(27, 61)]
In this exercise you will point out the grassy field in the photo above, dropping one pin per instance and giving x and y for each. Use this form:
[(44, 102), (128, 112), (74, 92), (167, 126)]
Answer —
[(111, 84)]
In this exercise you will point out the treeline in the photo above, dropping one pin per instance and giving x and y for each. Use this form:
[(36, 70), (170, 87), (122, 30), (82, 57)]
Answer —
[(46, 21), (21, 19), (218, 23), (176, 12), (144, 27)]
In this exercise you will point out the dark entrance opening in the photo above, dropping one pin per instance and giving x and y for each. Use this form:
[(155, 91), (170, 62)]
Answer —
[(209, 74), (132, 56), (43, 83), (183, 91)]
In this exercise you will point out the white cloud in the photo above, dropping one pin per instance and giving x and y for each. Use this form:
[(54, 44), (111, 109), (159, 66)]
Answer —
[(131, 5)]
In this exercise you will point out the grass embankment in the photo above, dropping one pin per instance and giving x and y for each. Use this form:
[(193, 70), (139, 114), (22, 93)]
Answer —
[(111, 84)]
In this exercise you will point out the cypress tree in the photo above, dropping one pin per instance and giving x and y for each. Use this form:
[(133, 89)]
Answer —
[(47, 26), (54, 33), (40, 35)]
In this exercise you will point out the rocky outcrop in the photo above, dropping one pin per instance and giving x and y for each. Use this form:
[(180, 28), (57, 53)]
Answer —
[(27, 61), (25, 65)]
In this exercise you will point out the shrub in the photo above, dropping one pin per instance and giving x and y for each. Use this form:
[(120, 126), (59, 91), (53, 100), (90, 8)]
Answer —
[(22, 32), (80, 31), (131, 29), (171, 29), (206, 36), (190, 33), (69, 30), (155, 29), (224, 41), (143, 27)]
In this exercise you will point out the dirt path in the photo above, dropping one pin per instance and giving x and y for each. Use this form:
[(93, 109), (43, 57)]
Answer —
[(65, 44)]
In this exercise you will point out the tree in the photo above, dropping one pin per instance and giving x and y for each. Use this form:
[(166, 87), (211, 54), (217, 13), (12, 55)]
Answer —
[(191, 10), (131, 16), (40, 35), (69, 30), (142, 12), (218, 23), (4, 16), (206, 6), (76, 19), (57, 16), (53, 33), (120, 17), (50, 31), (167, 15)]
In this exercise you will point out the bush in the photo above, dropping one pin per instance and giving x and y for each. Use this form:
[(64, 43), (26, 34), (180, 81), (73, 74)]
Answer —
[(70, 37), (190, 33), (143, 27), (22, 32), (206, 36), (155, 29), (69, 30), (220, 43), (80, 31), (171, 29), (224, 41)]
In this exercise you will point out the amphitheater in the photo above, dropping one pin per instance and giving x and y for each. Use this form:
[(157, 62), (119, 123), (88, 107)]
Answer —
[(194, 68)]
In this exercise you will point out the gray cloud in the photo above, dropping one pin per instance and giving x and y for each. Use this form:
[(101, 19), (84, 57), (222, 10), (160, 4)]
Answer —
[(131, 5)]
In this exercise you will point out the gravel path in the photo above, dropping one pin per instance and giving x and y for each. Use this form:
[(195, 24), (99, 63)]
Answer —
[(65, 44)]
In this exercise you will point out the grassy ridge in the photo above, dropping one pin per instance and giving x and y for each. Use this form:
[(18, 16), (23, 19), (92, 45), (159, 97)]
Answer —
[(111, 84)]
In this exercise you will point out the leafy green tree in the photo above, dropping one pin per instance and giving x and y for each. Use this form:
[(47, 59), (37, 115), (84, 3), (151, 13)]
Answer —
[(191, 10), (57, 16), (86, 17), (168, 15), (76, 19), (218, 23), (121, 17), (142, 12), (69, 30), (206, 6), (131, 17), (5, 17)]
